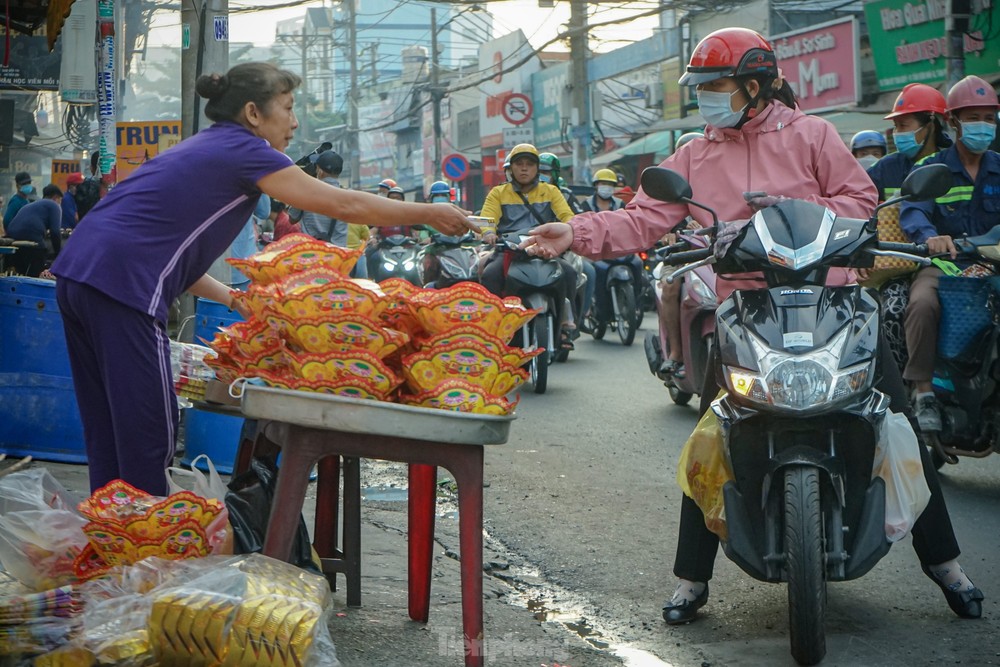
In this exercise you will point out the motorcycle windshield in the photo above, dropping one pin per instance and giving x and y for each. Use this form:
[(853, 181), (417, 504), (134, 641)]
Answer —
[(794, 234)]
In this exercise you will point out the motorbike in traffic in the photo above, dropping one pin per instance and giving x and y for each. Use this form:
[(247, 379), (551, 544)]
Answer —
[(396, 257), (698, 302), (616, 302), (535, 281), (447, 260), (967, 368), (800, 416)]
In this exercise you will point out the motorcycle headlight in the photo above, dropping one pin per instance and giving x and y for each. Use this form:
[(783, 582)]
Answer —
[(389, 266), (801, 382), (408, 265)]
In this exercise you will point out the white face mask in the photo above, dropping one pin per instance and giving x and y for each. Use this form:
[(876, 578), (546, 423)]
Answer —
[(717, 108), (605, 191), (867, 161)]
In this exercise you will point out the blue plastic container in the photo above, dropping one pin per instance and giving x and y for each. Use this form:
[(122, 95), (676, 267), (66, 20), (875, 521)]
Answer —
[(209, 433), (40, 414)]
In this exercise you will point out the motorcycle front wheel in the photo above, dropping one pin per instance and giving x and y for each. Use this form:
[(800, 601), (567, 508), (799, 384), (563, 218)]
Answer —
[(625, 318), (540, 328), (804, 564)]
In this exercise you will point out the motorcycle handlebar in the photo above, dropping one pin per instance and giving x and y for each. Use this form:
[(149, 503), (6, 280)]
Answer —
[(679, 258), (908, 248)]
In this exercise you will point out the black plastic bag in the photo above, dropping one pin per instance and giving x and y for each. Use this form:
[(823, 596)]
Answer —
[(249, 500)]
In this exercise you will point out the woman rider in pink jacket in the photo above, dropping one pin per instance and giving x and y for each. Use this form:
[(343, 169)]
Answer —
[(756, 141)]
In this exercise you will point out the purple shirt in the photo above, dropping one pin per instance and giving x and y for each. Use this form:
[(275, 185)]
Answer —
[(160, 229)]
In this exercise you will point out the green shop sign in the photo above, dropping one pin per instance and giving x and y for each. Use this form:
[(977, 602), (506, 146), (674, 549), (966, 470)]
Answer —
[(909, 44)]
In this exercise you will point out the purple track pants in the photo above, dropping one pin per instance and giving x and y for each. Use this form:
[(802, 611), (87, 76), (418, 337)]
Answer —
[(120, 359)]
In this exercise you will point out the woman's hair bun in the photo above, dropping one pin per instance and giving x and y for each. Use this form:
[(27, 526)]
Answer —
[(211, 86)]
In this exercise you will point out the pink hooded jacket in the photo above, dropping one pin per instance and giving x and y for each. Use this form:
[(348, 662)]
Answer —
[(781, 151)]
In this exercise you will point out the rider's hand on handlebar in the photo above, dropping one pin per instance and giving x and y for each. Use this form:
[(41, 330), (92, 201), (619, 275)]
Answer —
[(939, 245), (489, 237)]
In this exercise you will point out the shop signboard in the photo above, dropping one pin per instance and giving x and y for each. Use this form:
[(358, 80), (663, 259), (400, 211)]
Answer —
[(820, 63), (140, 142), (909, 42), (31, 66), (61, 169), (548, 92)]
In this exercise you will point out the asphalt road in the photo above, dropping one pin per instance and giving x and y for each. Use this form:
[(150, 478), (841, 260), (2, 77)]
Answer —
[(584, 498)]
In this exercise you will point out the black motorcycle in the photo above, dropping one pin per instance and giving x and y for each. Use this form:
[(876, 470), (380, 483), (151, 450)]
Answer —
[(396, 257), (616, 302), (536, 282), (448, 260), (801, 417)]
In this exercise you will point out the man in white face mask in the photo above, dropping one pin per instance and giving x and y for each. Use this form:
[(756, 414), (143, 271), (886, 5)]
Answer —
[(603, 198), (970, 207)]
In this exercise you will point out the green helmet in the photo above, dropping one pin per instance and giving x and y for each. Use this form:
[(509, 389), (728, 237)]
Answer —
[(549, 162)]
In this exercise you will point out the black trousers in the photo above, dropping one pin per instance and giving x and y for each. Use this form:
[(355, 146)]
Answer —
[(933, 536), (493, 279), (30, 260)]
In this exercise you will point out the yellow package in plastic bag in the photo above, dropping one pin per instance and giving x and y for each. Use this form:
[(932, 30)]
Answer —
[(703, 470)]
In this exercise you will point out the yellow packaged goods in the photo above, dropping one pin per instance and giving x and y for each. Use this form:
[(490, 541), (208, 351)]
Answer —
[(889, 230), (703, 470)]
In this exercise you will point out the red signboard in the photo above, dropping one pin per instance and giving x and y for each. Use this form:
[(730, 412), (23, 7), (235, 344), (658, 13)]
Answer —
[(821, 64)]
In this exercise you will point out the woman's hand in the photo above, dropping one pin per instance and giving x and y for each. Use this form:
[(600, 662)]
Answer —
[(548, 240), (450, 220)]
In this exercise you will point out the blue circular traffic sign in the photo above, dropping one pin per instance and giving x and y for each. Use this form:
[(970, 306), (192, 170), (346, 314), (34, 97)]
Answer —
[(455, 167)]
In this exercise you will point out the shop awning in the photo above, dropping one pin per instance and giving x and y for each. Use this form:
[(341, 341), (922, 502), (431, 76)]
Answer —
[(656, 143), (28, 15)]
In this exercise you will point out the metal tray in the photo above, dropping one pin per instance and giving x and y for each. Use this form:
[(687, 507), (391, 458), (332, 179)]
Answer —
[(355, 415)]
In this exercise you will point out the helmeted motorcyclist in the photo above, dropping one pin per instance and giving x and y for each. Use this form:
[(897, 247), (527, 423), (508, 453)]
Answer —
[(603, 199), (918, 131), (970, 207), (549, 170), (518, 206), (756, 139), (868, 146), (384, 186)]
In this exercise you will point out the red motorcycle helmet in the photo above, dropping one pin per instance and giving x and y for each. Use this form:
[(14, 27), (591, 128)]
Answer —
[(730, 52), (917, 98)]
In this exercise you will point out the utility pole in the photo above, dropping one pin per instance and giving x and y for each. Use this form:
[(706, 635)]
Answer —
[(204, 50), (956, 24), (579, 87), (435, 95), (304, 120), (352, 49)]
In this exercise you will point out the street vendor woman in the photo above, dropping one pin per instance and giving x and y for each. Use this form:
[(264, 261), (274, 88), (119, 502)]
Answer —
[(156, 234)]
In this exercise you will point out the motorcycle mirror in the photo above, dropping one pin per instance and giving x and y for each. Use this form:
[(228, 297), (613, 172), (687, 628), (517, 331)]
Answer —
[(669, 186), (665, 184), (923, 183), (928, 182)]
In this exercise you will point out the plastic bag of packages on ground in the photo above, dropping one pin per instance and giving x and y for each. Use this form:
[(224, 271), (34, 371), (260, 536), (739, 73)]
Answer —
[(33, 623), (40, 530), (232, 611)]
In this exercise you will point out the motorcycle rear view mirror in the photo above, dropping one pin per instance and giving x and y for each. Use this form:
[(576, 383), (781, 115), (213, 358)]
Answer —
[(928, 182), (923, 183), (669, 186)]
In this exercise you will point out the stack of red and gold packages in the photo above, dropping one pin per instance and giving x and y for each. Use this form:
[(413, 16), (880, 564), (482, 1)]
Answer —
[(314, 329)]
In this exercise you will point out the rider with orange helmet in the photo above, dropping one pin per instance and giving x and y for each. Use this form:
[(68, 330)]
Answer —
[(970, 207), (917, 117), (756, 140)]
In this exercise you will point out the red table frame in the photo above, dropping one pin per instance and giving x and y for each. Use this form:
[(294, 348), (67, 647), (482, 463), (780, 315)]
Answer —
[(302, 447)]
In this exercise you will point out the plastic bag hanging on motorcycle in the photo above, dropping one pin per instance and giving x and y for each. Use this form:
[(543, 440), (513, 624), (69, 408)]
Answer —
[(703, 470), (897, 462)]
